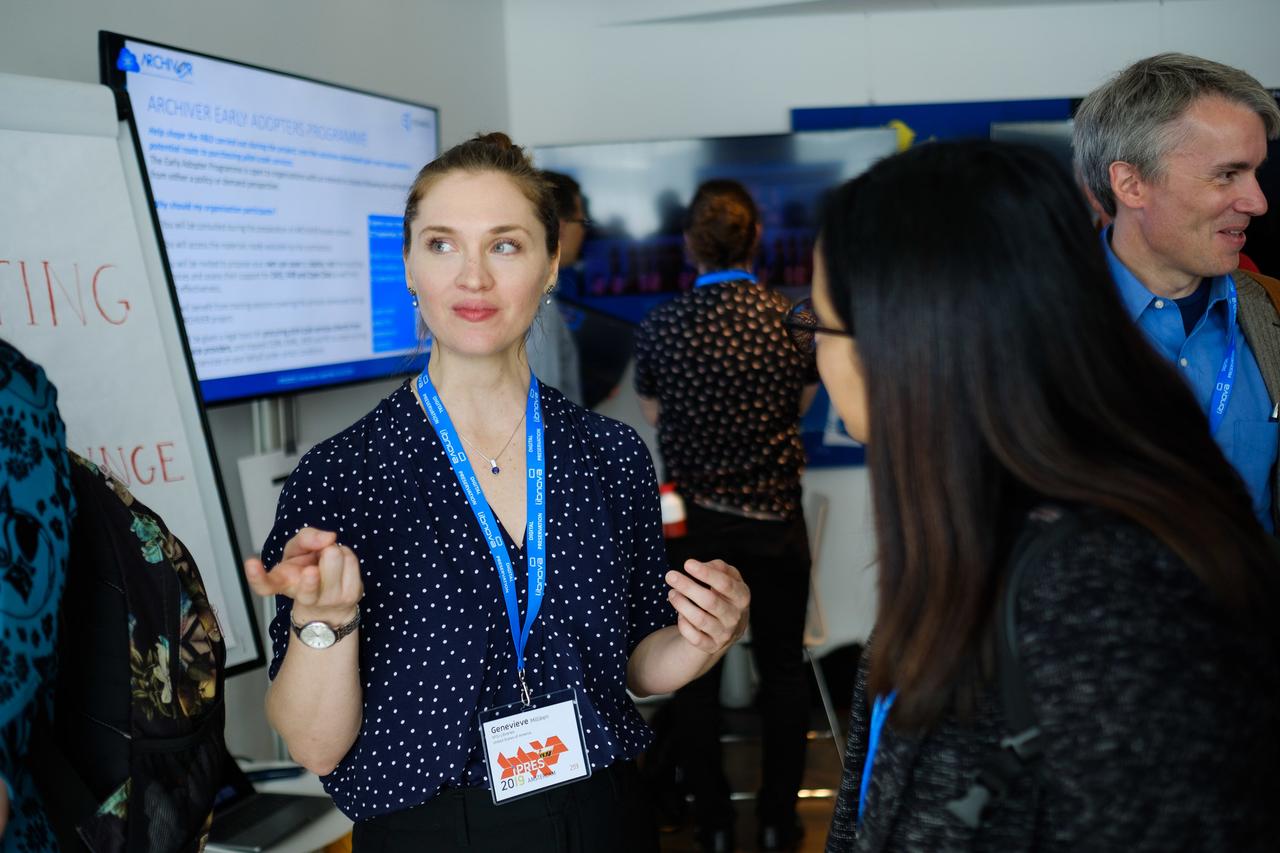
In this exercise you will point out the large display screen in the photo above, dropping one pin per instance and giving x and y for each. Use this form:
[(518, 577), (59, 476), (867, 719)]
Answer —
[(280, 201), (637, 193)]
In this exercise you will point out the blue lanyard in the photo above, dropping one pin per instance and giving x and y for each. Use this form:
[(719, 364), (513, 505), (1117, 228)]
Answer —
[(724, 275), (535, 542), (879, 713), (1227, 373)]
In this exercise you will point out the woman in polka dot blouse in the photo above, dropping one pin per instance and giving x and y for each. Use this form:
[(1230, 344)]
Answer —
[(393, 638)]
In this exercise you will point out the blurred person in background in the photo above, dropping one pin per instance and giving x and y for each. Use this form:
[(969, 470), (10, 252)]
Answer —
[(717, 373), (552, 350)]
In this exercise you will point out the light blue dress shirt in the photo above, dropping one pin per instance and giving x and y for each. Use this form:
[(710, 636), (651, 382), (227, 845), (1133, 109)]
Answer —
[(1248, 437)]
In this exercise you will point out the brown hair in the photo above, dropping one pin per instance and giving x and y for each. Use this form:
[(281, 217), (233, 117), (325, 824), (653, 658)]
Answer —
[(721, 225), (488, 152)]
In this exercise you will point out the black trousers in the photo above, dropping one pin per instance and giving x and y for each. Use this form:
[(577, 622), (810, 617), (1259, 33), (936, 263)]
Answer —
[(605, 812), (773, 557)]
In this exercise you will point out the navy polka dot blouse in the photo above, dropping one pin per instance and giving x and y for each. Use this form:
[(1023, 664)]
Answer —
[(435, 646)]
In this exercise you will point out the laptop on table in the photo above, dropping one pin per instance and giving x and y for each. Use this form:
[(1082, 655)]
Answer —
[(252, 821)]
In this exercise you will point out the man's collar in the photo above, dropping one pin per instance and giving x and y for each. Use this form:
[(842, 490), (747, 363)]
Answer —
[(1134, 294)]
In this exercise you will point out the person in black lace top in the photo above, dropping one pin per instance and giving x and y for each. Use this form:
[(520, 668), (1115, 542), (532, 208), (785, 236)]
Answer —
[(717, 372), (978, 347)]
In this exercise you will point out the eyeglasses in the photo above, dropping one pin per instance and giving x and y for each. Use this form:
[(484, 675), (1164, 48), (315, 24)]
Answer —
[(802, 323), (585, 223)]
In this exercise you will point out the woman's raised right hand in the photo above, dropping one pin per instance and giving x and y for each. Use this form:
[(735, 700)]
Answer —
[(321, 576)]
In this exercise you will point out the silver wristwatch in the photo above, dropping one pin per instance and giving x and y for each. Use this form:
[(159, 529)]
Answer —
[(322, 635)]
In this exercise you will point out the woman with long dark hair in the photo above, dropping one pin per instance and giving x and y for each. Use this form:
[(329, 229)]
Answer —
[(968, 331)]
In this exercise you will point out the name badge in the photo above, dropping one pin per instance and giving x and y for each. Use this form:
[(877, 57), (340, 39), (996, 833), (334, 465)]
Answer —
[(533, 748)]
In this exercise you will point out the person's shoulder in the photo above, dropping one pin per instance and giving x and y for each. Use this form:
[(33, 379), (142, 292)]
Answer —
[(661, 315), (591, 424), (614, 437), (606, 439), (24, 380), (1256, 289), (351, 447), (1095, 542), (771, 298), (1106, 569)]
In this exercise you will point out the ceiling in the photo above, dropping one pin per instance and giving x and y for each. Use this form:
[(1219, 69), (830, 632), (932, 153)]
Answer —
[(706, 11)]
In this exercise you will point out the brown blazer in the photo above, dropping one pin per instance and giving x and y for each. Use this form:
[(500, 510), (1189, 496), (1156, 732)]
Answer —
[(1260, 321)]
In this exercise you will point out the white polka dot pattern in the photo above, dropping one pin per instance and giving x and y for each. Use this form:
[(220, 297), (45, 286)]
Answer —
[(435, 646)]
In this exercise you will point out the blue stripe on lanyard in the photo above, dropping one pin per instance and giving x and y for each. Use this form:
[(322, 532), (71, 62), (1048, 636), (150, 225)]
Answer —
[(879, 713), (723, 275), (535, 509), (1227, 373)]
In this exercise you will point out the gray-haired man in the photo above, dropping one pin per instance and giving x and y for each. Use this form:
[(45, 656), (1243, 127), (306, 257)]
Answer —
[(1170, 148)]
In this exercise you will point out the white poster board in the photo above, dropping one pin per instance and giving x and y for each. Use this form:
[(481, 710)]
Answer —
[(83, 293)]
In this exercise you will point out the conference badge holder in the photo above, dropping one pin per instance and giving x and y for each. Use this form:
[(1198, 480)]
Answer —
[(534, 747)]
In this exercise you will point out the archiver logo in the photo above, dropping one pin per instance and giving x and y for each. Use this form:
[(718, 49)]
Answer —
[(537, 761), (126, 61), (158, 63)]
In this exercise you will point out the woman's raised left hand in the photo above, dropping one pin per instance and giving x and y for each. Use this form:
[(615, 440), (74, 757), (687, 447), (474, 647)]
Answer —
[(712, 601)]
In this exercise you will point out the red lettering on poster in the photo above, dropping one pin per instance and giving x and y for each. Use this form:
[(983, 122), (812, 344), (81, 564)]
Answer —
[(97, 299), (137, 463), (77, 304), (64, 286)]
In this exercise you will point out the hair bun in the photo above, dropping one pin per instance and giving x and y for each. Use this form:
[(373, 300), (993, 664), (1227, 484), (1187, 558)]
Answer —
[(489, 152), (497, 139)]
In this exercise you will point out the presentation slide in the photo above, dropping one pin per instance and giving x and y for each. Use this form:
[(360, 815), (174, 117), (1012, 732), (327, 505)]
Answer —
[(280, 201)]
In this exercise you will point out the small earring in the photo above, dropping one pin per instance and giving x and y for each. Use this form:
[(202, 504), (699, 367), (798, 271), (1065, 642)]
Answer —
[(413, 298)]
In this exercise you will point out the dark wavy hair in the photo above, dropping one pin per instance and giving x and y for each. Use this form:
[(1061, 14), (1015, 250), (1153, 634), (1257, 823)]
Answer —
[(720, 227), (1001, 371), (489, 152)]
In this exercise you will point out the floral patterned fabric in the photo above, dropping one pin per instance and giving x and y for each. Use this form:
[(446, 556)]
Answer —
[(36, 508), (127, 570), (198, 664)]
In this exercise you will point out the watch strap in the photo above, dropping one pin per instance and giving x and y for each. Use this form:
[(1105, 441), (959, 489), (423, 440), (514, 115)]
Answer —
[(338, 633)]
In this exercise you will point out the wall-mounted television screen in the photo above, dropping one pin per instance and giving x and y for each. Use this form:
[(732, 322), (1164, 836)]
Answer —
[(279, 201), (637, 193)]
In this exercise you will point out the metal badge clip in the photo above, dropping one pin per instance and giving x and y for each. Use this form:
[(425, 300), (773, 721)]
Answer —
[(526, 697)]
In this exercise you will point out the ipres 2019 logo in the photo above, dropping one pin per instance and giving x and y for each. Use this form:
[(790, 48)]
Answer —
[(529, 764)]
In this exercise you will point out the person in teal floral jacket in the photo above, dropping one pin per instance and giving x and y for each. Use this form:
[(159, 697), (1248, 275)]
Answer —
[(36, 508)]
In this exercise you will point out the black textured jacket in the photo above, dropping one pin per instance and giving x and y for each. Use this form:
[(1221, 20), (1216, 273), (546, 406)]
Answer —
[(1161, 722)]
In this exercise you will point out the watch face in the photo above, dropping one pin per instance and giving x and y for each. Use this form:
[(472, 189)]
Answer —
[(317, 635)]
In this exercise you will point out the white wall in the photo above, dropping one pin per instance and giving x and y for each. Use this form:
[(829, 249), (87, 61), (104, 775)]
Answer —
[(577, 72), (448, 54)]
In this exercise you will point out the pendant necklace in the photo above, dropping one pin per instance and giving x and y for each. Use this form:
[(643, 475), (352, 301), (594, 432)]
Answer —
[(493, 460)]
